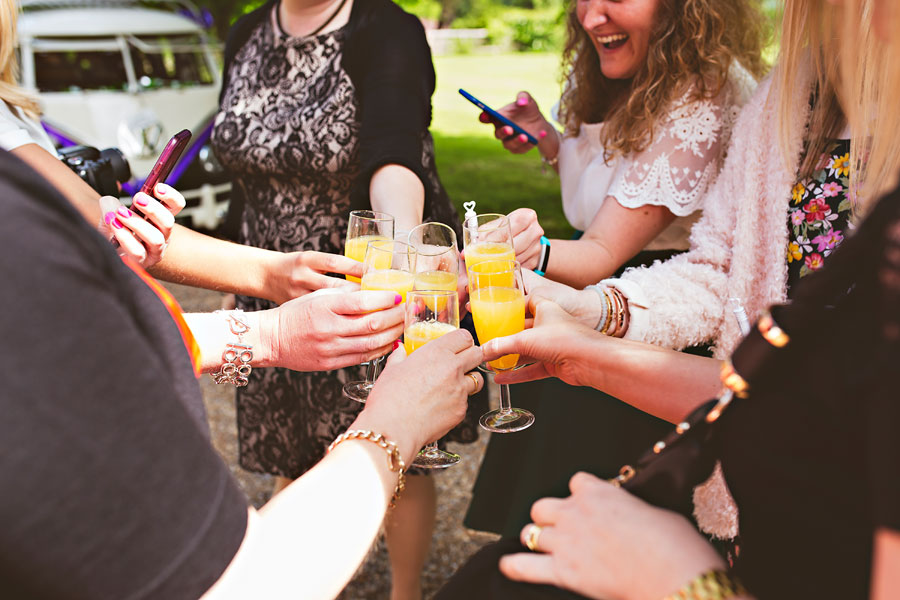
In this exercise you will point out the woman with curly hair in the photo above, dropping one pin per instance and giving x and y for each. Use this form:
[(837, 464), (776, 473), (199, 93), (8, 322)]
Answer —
[(652, 92)]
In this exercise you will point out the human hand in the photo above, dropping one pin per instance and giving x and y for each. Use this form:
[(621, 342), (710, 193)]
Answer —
[(604, 543), (526, 232), (525, 113), (141, 239), (584, 305), (419, 398), (296, 274), (552, 341), (327, 331)]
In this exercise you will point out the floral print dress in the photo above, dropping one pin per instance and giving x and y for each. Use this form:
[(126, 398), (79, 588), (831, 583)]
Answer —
[(819, 213)]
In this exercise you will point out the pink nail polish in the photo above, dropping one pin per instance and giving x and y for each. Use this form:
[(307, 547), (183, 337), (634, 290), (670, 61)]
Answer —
[(108, 217), (522, 101), (124, 212), (396, 344), (140, 200), (507, 130), (523, 138), (397, 299), (162, 188), (115, 223), (542, 134)]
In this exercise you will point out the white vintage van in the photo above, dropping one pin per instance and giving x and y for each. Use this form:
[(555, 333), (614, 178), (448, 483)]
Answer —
[(130, 74)]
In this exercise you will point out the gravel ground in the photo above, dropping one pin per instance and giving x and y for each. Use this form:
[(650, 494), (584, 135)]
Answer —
[(452, 543)]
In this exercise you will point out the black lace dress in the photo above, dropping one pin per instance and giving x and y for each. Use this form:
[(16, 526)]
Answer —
[(300, 134)]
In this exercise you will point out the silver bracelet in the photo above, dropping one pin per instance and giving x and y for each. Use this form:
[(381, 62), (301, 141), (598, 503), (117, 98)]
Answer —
[(603, 323), (237, 355)]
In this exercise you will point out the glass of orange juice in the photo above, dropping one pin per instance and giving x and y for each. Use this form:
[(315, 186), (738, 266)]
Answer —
[(429, 315), (487, 237), (366, 226), (497, 301), (388, 265), (437, 257)]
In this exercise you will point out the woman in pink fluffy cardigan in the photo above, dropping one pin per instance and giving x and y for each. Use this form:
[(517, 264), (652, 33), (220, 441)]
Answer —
[(772, 217)]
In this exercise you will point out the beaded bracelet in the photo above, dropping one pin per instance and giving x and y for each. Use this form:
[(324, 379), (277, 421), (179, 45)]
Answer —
[(714, 584), (395, 461), (236, 358)]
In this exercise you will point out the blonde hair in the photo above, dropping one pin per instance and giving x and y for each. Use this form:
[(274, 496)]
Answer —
[(870, 75), (852, 79), (10, 91), (694, 42)]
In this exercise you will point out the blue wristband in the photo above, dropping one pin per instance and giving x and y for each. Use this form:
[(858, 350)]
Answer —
[(545, 257)]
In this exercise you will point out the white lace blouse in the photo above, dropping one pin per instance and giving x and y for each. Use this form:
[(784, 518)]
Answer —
[(673, 171)]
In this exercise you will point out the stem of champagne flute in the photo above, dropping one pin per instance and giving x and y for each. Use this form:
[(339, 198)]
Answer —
[(431, 448), (505, 406), (373, 369)]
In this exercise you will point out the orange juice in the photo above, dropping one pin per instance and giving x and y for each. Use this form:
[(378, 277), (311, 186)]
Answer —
[(391, 280), (498, 312), (355, 248), (422, 332), (480, 251), (436, 280), (490, 273)]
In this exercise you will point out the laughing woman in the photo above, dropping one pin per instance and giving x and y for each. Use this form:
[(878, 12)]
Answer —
[(653, 89)]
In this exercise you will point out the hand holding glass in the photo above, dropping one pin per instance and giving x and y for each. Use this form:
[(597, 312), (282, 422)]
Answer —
[(390, 266), (429, 315)]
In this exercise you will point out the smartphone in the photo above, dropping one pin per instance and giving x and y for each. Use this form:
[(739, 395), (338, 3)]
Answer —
[(166, 161), (497, 116)]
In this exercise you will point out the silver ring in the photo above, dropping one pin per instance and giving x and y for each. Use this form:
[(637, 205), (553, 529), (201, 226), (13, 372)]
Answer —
[(474, 380), (531, 537)]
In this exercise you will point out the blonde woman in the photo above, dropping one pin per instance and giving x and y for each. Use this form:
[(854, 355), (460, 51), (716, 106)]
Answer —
[(651, 97), (811, 454)]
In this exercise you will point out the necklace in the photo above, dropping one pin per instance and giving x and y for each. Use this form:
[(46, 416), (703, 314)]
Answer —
[(318, 29)]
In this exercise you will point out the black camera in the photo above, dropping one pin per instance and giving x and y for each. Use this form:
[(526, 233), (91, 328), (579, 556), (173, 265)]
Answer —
[(103, 170)]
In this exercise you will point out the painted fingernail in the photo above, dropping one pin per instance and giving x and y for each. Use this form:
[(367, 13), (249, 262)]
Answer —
[(162, 188), (116, 223), (523, 138), (542, 134), (397, 299), (396, 344), (108, 217), (521, 100), (140, 199), (124, 212), (484, 117), (507, 130)]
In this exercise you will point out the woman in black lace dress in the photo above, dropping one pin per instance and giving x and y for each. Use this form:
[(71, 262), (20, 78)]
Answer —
[(325, 108)]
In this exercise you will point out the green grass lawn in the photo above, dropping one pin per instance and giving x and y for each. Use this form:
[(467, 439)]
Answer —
[(473, 165)]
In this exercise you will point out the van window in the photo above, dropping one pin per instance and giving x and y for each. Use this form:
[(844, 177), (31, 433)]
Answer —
[(79, 70), (169, 61)]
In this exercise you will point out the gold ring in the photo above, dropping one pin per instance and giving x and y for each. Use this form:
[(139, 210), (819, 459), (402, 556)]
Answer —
[(475, 381), (531, 537)]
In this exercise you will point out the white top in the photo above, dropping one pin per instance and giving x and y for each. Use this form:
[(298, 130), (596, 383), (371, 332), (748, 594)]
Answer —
[(674, 171), (17, 129)]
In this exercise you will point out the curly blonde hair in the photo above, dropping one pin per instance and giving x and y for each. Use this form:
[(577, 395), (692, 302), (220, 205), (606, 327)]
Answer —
[(693, 43)]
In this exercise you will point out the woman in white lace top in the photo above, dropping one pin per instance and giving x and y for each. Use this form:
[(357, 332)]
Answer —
[(650, 100), (647, 114)]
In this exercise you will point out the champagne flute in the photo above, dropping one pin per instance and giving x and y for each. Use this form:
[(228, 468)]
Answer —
[(366, 226), (497, 300), (429, 315), (437, 257), (390, 266), (487, 237)]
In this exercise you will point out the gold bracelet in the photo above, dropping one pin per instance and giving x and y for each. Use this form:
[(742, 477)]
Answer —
[(771, 332), (395, 461), (714, 584), (609, 311), (621, 312)]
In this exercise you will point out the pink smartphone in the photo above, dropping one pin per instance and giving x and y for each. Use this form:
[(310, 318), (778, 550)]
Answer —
[(167, 160)]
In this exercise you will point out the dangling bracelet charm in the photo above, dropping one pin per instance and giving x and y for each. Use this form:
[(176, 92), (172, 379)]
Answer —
[(237, 356)]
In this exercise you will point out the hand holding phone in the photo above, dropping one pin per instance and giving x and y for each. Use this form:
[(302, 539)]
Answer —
[(497, 117)]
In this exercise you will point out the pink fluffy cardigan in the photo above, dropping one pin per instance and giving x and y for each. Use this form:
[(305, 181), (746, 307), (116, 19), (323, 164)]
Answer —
[(738, 250)]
